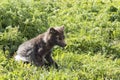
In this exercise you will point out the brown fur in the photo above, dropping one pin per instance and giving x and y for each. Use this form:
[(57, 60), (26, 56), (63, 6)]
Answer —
[(38, 50)]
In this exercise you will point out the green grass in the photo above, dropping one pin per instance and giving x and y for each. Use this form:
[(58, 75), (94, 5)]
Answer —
[(71, 67), (92, 30)]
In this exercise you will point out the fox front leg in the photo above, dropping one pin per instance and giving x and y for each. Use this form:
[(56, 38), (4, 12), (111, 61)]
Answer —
[(50, 60)]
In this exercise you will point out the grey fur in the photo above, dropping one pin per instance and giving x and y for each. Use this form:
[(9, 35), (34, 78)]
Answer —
[(38, 50)]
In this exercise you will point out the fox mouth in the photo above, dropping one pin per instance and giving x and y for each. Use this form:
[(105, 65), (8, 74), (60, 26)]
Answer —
[(62, 45)]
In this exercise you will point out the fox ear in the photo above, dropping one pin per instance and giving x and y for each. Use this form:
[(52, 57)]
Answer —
[(62, 27), (53, 31)]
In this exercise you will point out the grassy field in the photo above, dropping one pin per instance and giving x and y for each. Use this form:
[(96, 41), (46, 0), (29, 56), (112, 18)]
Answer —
[(92, 30)]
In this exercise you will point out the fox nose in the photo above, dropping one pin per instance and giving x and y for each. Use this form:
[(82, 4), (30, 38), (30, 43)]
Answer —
[(64, 45)]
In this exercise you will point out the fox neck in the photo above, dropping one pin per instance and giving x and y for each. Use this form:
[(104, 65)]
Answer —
[(48, 42)]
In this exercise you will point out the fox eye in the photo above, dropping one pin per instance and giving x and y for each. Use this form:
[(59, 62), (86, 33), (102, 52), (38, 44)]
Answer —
[(58, 37)]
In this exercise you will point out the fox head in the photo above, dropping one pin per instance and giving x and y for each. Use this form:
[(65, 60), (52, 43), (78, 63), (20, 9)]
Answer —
[(56, 36)]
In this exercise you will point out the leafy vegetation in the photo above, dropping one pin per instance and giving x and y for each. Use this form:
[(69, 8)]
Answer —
[(92, 29)]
